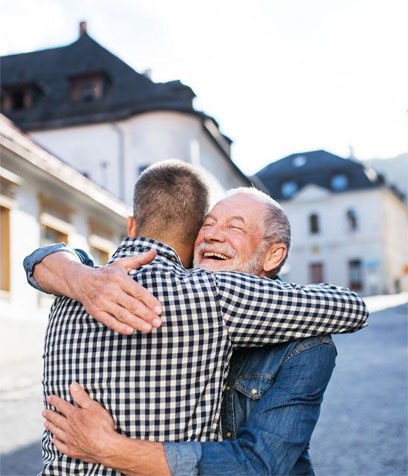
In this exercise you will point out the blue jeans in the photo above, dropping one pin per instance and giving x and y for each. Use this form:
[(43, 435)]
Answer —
[(270, 408)]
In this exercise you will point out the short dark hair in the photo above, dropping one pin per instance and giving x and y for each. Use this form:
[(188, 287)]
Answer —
[(171, 198)]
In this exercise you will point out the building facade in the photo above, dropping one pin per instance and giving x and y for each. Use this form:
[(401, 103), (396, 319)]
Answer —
[(42, 201), (395, 170), (89, 108), (348, 226)]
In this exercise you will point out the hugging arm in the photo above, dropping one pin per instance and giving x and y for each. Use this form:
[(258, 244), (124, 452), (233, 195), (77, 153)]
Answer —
[(107, 293), (257, 311), (261, 311), (87, 432), (273, 440)]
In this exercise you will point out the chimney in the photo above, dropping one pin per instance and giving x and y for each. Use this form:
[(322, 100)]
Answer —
[(82, 28)]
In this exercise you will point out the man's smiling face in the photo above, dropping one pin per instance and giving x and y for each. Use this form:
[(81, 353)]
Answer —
[(231, 238)]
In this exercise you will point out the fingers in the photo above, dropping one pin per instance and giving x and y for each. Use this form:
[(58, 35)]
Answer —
[(134, 262), (117, 301), (55, 430), (55, 419), (61, 405), (142, 295), (81, 397), (112, 321), (62, 447), (133, 313), (131, 287)]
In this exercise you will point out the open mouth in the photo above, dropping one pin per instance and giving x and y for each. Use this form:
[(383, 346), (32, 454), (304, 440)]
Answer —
[(216, 256)]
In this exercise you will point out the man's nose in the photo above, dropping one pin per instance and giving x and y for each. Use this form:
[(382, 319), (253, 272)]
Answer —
[(214, 233)]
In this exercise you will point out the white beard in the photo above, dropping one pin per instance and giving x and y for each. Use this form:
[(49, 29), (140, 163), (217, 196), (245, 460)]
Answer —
[(253, 266)]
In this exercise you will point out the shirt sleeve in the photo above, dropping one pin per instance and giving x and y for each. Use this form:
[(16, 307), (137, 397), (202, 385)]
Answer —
[(39, 254), (277, 431), (260, 311)]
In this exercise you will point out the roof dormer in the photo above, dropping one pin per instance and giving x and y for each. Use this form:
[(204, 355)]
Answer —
[(88, 87), (19, 97)]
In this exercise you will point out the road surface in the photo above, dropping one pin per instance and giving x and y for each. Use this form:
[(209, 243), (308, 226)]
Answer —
[(363, 426)]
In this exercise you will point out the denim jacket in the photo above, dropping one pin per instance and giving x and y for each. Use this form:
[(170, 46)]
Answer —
[(271, 404)]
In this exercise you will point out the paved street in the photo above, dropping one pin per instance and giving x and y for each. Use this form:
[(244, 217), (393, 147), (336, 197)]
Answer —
[(363, 426)]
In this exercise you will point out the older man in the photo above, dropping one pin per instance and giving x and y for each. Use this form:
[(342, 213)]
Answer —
[(232, 237)]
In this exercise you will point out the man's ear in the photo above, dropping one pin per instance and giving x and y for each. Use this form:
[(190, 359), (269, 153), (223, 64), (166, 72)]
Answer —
[(274, 256), (131, 227)]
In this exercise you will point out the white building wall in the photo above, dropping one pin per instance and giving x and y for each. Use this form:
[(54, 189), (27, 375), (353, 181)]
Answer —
[(146, 138), (86, 148), (22, 301), (377, 241), (395, 218)]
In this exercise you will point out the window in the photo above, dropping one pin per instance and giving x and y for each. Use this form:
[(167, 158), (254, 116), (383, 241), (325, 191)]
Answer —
[(352, 221), (16, 98), (314, 225), (87, 88), (50, 235), (100, 256), (100, 242), (5, 249), (8, 186), (55, 221), (339, 182), (355, 275), (289, 188), (316, 273), (299, 161)]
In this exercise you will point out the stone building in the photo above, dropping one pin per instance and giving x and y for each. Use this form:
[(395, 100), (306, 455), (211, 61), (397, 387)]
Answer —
[(349, 227)]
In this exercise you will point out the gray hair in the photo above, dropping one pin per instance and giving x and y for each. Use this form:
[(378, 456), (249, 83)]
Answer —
[(171, 198), (276, 223)]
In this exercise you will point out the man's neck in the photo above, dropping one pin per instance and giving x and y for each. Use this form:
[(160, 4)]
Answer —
[(185, 252)]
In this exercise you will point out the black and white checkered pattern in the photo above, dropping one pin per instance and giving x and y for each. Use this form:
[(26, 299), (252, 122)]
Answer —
[(167, 385)]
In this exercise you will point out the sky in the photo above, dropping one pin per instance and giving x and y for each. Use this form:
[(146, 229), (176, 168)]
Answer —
[(279, 76)]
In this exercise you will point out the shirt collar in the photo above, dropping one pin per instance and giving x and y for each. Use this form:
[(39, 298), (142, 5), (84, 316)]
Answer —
[(143, 245)]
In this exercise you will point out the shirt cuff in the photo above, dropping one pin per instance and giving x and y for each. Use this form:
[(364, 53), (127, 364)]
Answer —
[(183, 458), (37, 256)]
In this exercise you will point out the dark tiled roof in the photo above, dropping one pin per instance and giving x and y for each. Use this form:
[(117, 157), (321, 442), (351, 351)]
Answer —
[(126, 93), (317, 168)]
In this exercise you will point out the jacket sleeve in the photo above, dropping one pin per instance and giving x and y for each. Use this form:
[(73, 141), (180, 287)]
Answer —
[(278, 430), (40, 253)]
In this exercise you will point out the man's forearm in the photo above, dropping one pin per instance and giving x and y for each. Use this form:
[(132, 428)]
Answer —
[(136, 457), (58, 274)]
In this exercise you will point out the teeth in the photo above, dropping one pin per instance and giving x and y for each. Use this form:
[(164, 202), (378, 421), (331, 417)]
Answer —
[(215, 255)]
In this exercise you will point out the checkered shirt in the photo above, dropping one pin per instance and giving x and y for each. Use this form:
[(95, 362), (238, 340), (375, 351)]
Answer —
[(167, 385)]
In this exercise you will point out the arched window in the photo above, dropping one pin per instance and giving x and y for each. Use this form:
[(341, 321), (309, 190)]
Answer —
[(352, 220), (314, 225)]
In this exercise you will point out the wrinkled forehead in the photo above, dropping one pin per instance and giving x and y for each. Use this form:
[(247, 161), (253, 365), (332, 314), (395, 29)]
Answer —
[(240, 206)]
